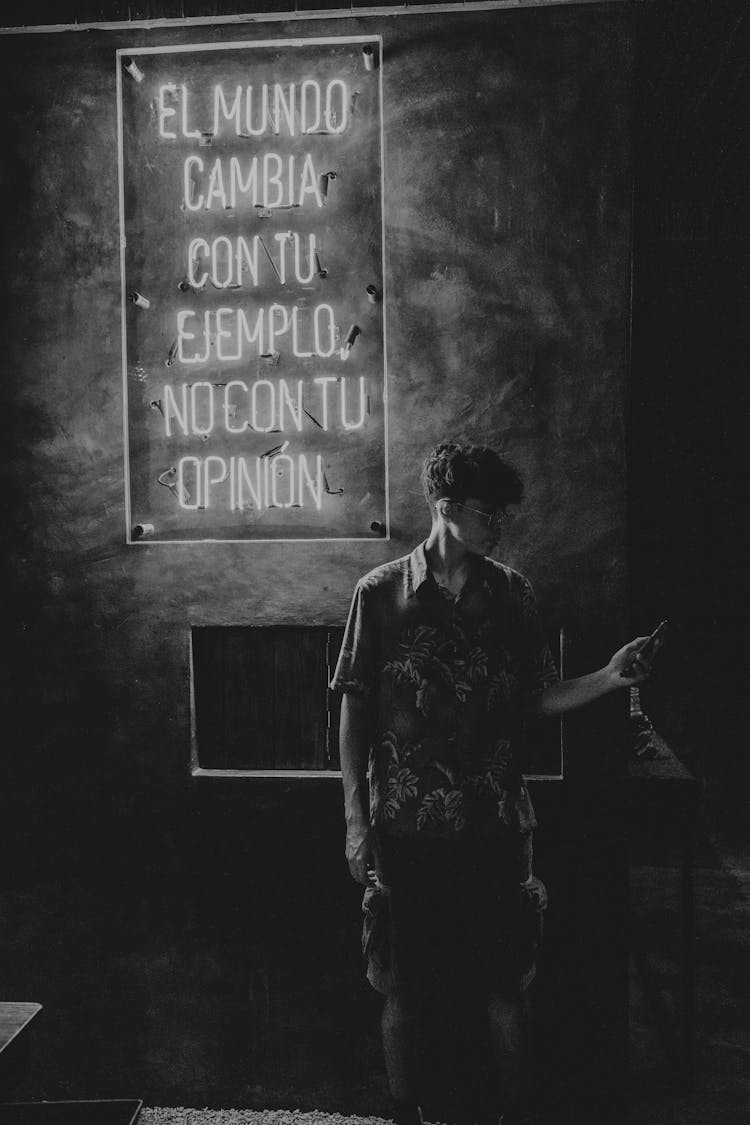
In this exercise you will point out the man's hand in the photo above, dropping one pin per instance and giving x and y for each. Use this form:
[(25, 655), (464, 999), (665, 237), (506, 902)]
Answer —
[(359, 851), (627, 664), (354, 746), (628, 667)]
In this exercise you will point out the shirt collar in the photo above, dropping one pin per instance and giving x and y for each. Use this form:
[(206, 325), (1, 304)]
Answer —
[(417, 571)]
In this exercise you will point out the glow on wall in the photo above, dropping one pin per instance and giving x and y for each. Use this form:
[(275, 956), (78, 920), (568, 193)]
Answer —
[(251, 211)]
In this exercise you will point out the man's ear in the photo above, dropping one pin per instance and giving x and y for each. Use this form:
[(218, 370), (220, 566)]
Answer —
[(446, 509)]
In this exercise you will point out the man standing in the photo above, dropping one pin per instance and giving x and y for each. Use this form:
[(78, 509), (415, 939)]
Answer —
[(442, 660)]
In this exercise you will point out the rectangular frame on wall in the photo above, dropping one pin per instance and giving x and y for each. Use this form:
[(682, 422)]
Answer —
[(274, 670), (260, 693), (241, 422)]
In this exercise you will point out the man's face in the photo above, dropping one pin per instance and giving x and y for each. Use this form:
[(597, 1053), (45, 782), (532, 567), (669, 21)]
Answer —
[(475, 524)]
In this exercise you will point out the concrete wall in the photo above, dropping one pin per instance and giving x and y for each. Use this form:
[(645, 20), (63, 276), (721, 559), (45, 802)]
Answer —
[(173, 932)]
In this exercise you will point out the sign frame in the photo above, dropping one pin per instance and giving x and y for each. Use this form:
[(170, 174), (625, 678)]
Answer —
[(139, 534)]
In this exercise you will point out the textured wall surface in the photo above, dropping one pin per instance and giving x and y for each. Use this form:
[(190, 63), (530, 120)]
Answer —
[(507, 203)]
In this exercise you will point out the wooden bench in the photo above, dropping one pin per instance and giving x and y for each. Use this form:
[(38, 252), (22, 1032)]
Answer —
[(14, 1020)]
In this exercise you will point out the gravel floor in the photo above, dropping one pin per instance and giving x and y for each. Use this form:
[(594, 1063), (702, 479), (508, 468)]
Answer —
[(179, 1116)]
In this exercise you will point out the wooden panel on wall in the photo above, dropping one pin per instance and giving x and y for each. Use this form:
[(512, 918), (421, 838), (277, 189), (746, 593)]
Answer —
[(261, 700), (234, 683), (301, 725)]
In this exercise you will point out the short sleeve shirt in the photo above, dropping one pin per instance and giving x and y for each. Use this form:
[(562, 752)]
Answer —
[(447, 680)]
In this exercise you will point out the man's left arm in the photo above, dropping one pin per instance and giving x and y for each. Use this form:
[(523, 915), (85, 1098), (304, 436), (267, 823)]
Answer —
[(625, 669)]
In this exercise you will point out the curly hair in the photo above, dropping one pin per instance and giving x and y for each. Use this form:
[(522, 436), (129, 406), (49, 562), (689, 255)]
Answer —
[(455, 472)]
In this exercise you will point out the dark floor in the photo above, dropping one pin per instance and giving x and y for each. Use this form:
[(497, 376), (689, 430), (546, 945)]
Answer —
[(92, 1057), (719, 1093)]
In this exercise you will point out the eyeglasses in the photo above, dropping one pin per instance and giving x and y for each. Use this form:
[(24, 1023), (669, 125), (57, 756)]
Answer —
[(494, 519)]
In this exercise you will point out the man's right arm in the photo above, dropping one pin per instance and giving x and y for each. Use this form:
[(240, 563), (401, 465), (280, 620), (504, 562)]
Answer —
[(354, 746)]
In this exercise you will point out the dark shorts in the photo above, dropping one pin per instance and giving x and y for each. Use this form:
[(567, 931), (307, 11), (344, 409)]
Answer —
[(453, 913)]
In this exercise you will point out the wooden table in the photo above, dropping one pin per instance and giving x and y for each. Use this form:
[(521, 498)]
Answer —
[(13, 1019)]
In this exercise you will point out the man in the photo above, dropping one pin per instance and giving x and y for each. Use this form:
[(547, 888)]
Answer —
[(442, 660)]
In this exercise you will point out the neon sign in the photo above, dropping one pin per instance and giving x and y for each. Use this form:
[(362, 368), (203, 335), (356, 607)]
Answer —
[(271, 181), (258, 111), (264, 405), (279, 481), (231, 263), (252, 226)]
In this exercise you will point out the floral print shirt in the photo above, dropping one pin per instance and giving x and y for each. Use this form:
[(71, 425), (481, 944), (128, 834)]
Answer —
[(447, 680)]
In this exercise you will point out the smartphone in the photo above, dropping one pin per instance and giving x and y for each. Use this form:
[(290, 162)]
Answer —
[(650, 646)]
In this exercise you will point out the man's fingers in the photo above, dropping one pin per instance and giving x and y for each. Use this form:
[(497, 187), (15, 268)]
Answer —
[(358, 865), (360, 853), (358, 869), (635, 666), (640, 666)]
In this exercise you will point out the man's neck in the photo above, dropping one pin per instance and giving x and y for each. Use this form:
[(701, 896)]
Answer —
[(448, 560)]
